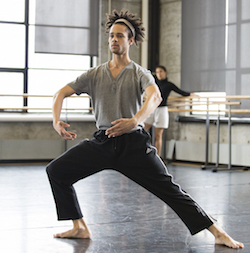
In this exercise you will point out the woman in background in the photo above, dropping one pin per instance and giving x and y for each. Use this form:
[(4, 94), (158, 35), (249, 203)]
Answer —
[(160, 117)]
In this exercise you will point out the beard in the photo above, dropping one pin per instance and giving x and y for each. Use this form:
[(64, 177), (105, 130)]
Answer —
[(117, 50)]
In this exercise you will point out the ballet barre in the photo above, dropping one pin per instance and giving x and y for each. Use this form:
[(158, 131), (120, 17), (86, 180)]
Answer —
[(176, 102), (27, 108), (205, 97), (26, 95)]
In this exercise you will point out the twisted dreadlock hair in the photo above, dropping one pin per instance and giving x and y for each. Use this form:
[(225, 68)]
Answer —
[(135, 22)]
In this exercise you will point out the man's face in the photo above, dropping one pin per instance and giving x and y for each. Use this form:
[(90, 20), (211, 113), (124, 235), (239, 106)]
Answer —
[(118, 39), (161, 74)]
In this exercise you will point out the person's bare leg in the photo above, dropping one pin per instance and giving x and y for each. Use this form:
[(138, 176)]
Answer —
[(221, 237), (147, 126), (158, 139), (80, 230)]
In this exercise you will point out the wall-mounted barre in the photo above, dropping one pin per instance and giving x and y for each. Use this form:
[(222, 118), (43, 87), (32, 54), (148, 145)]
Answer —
[(44, 109), (209, 97), (176, 102), (42, 96)]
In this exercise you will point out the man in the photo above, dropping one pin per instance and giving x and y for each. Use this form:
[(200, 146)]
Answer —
[(160, 118), (121, 143)]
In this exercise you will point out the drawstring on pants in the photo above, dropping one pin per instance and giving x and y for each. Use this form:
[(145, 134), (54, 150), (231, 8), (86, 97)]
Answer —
[(115, 142)]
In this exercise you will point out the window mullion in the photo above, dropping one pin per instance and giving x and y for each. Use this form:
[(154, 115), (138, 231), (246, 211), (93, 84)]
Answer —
[(26, 22)]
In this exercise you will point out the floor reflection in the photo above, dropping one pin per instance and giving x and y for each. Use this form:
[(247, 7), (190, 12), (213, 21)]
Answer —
[(78, 245), (122, 216)]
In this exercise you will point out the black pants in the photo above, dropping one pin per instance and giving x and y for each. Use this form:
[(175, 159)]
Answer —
[(132, 155)]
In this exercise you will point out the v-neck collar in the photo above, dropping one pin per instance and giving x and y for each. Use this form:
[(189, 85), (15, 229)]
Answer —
[(110, 74)]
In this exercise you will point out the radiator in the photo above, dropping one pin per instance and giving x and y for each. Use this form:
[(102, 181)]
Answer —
[(30, 149)]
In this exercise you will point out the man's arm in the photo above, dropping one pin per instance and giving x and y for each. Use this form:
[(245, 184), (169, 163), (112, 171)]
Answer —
[(153, 99), (58, 125), (121, 126)]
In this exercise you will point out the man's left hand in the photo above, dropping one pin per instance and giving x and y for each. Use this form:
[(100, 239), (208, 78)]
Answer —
[(121, 126)]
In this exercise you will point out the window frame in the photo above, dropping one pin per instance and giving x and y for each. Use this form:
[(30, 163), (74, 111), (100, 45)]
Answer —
[(25, 69)]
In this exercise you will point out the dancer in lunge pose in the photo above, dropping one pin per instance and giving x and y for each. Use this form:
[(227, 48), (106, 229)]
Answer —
[(116, 89)]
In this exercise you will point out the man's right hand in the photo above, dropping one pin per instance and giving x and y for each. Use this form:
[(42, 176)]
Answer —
[(60, 126)]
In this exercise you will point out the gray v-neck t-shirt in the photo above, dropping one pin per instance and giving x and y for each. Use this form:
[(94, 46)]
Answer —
[(114, 98)]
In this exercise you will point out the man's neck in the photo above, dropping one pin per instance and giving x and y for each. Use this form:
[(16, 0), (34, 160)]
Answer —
[(119, 61)]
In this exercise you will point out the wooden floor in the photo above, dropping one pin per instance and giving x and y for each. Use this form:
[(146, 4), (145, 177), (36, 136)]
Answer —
[(123, 217)]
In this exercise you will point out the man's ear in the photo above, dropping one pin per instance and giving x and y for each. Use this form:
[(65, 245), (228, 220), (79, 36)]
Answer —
[(131, 41)]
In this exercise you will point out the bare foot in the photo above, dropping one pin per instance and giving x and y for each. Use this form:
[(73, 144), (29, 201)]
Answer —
[(79, 231), (228, 241), (75, 233), (221, 237)]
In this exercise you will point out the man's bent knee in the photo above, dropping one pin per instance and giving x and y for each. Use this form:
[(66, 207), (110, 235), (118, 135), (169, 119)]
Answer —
[(49, 169)]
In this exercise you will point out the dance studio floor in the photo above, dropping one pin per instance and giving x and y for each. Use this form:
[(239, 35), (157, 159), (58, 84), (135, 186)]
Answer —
[(122, 216)]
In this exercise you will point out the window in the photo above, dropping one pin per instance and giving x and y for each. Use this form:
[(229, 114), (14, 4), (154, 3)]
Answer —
[(11, 83), (23, 70), (209, 101), (8, 13), (12, 45), (215, 48)]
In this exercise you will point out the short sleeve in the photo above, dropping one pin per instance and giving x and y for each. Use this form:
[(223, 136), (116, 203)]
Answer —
[(147, 79), (81, 84)]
